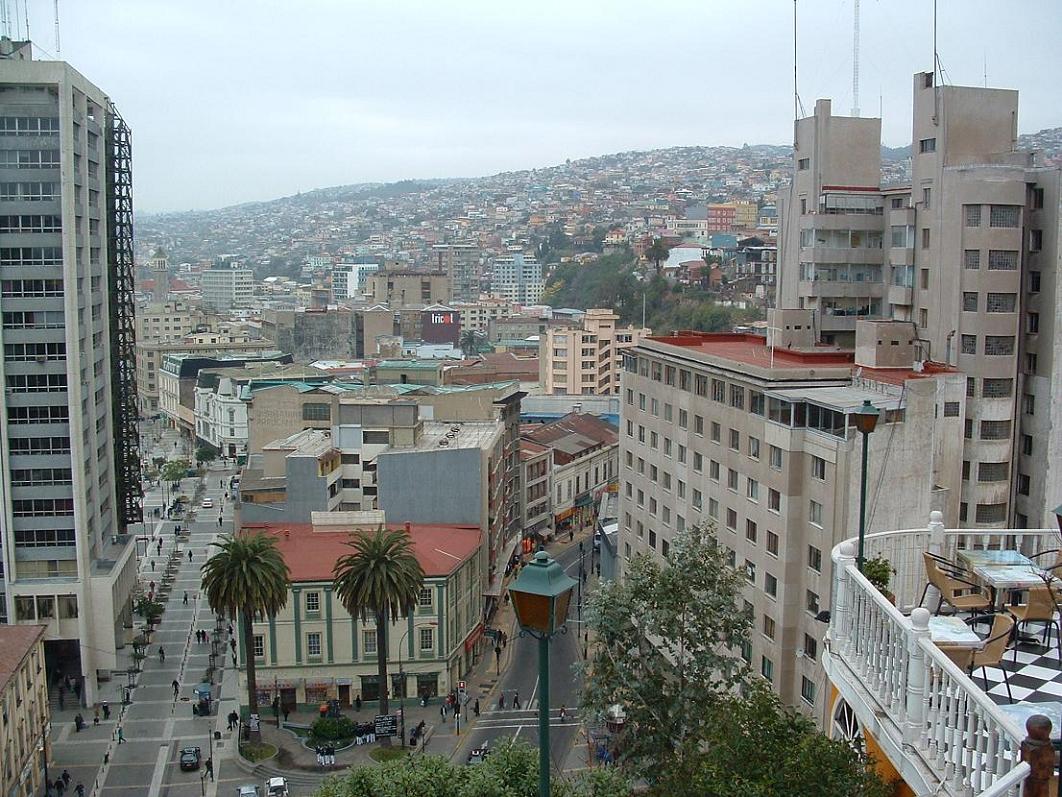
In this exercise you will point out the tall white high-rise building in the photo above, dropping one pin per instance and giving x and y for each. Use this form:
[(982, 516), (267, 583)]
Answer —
[(227, 285), (70, 479), (517, 277)]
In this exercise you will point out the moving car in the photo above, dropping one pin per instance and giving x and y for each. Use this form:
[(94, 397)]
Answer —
[(190, 758), (276, 787), (208, 503), (247, 790)]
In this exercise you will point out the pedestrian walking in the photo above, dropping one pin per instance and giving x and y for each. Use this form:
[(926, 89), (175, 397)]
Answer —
[(176, 688), (442, 712), (95, 715), (232, 644), (66, 779), (563, 712), (219, 521), (475, 707), (285, 710), (79, 790), (152, 565), (357, 702), (158, 549), (162, 654), (79, 722), (501, 700), (210, 768), (516, 698), (189, 554), (106, 708), (59, 786), (221, 483), (77, 689), (121, 735), (186, 598)]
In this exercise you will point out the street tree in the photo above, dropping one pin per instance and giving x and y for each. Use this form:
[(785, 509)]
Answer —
[(469, 342), (668, 642), (382, 578), (175, 470), (511, 770), (206, 453), (247, 576)]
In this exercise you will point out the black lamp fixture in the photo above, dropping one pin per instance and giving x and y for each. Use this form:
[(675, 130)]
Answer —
[(866, 420)]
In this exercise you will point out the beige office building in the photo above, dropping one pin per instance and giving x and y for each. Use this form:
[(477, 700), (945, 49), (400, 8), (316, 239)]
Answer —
[(967, 254), (586, 359), (720, 429)]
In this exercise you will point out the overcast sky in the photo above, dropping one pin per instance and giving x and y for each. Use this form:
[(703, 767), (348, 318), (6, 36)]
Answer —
[(234, 100)]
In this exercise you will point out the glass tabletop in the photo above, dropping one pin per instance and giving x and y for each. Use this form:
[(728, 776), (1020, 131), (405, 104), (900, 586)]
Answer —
[(953, 631), (981, 558), (1020, 712)]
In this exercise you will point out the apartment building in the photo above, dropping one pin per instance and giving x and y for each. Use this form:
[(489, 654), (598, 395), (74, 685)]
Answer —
[(477, 315), (349, 280), (24, 730), (227, 285), (588, 358), (70, 484), (967, 254), (401, 289), (314, 650), (328, 333), (760, 443), (158, 322), (463, 264), (535, 466), (517, 277), (291, 478)]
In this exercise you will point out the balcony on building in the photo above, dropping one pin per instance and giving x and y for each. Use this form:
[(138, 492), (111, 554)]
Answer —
[(903, 689)]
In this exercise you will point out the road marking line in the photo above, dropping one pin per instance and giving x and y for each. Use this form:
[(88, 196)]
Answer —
[(160, 769)]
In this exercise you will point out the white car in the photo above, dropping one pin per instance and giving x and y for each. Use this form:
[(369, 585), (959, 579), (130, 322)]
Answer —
[(276, 787), (247, 791), (208, 503)]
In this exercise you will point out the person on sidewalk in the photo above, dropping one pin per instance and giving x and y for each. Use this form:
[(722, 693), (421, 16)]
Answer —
[(66, 779), (79, 790), (186, 598), (162, 654), (106, 709), (475, 707), (442, 712), (357, 702), (176, 688), (501, 701), (96, 715), (516, 698), (563, 712), (189, 554), (79, 722), (121, 735), (210, 768)]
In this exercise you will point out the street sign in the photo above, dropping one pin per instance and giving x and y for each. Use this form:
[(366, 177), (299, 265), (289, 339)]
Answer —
[(386, 725)]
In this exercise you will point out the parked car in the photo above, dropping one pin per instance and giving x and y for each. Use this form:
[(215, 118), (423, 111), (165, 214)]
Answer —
[(247, 790), (208, 503), (190, 758), (276, 787), (479, 754)]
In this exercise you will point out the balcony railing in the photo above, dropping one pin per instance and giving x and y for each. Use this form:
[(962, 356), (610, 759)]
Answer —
[(938, 728)]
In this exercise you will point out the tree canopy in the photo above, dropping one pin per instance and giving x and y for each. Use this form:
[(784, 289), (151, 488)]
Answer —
[(175, 470), (668, 642)]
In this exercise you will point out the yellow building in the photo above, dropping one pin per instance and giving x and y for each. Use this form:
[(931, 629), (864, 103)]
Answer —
[(315, 651), (586, 360), (24, 725)]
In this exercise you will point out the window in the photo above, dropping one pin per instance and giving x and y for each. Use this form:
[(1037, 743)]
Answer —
[(368, 642), (768, 626), (1023, 486), (767, 669), (927, 145), (927, 198), (1036, 198), (812, 602), (641, 402), (969, 301), (772, 543), (698, 462), (1003, 216), (1026, 444), (951, 409), (972, 259), (775, 457), (29, 158), (770, 585), (971, 386), (969, 344), (750, 571), (698, 425), (313, 644), (731, 479), (697, 498), (259, 646), (972, 215), (814, 558), (1032, 323), (925, 237), (313, 602), (997, 388), (1034, 282), (716, 432), (752, 490), (750, 531), (427, 638), (1036, 240), (1030, 362), (737, 397), (815, 512), (424, 599), (1000, 302), (818, 468), (683, 419), (999, 345), (807, 689), (803, 164), (754, 447), (756, 402), (376, 438), (990, 513), (682, 454), (993, 471), (713, 508), (1002, 260), (731, 520), (774, 500), (995, 430), (735, 440), (924, 276), (652, 539), (811, 647)]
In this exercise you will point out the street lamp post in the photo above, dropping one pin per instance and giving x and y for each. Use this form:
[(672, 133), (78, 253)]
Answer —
[(865, 420), (541, 596), (402, 679)]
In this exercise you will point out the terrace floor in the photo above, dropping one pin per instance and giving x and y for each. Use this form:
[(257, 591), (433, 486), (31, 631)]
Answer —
[(1036, 675)]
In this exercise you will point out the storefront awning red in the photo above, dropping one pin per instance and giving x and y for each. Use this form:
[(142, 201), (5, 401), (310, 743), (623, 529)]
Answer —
[(473, 638)]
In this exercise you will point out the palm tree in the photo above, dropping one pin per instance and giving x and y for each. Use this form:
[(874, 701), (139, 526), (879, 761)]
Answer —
[(382, 577), (247, 575), (657, 251), (469, 342)]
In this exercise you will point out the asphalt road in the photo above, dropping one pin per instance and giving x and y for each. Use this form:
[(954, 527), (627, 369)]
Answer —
[(497, 725)]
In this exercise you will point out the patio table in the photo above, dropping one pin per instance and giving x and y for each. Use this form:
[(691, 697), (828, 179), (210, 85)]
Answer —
[(952, 631), (1020, 712)]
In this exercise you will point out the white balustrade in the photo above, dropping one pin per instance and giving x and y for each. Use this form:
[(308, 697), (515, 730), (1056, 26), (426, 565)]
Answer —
[(920, 696)]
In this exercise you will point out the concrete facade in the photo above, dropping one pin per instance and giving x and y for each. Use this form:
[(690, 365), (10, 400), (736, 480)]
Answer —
[(65, 563), (227, 286), (400, 289), (24, 697), (463, 264), (586, 360), (517, 277), (715, 430), (292, 478)]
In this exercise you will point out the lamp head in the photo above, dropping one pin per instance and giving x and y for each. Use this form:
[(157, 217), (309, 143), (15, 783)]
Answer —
[(541, 595), (1058, 517), (866, 419)]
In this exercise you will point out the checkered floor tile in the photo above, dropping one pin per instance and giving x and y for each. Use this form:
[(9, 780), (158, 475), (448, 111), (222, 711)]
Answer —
[(1033, 670)]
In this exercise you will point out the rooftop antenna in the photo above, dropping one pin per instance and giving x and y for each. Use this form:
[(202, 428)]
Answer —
[(936, 64), (855, 62), (58, 49), (986, 67), (5, 25), (25, 12)]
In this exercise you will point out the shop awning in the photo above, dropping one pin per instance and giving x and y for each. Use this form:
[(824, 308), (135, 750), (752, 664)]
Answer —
[(586, 499), (474, 637)]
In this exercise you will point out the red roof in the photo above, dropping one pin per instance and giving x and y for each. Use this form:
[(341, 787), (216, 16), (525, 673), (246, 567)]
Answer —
[(311, 554), (753, 350), (897, 376)]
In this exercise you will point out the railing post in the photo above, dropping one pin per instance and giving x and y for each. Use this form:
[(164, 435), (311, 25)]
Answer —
[(839, 600), (1038, 752), (936, 547), (916, 678)]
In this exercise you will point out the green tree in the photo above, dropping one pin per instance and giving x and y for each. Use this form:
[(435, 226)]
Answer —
[(469, 342), (206, 453), (175, 470), (668, 646), (657, 251), (247, 576), (382, 577)]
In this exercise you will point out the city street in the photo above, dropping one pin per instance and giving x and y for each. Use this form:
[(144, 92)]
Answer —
[(497, 725)]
